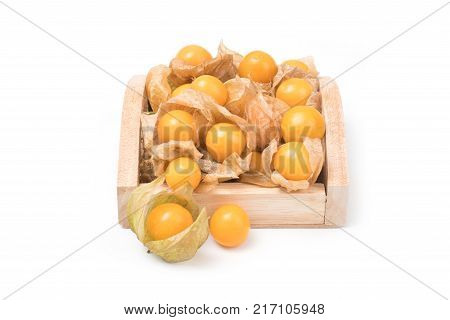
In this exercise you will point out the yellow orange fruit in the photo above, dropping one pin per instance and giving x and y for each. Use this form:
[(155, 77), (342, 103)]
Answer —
[(223, 139), (212, 86), (292, 161), (302, 121), (183, 170), (256, 162), (229, 225), (175, 125), (297, 64), (167, 220), (181, 89), (194, 55), (294, 91), (258, 66)]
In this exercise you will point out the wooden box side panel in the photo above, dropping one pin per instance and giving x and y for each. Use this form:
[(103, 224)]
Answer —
[(335, 168), (130, 134), (269, 207)]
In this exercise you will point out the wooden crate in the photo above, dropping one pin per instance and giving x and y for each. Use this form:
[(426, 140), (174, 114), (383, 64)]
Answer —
[(322, 205)]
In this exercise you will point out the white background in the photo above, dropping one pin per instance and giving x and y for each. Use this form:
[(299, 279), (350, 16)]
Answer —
[(59, 135)]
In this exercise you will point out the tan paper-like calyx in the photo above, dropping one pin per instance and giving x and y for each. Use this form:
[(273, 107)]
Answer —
[(166, 152), (262, 112), (179, 247), (157, 87), (231, 168)]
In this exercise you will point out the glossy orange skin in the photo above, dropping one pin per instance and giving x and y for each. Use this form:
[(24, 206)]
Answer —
[(229, 225), (175, 125), (167, 220), (181, 89), (256, 162), (258, 66), (183, 170), (223, 139), (294, 91), (292, 161), (213, 87), (194, 55), (302, 121), (297, 64)]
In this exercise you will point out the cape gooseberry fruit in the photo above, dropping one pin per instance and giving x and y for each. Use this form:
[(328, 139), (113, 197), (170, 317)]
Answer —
[(223, 139), (212, 86), (229, 225), (166, 220), (175, 125), (302, 121), (194, 55), (258, 66), (294, 91), (292, 161), (183, 170)]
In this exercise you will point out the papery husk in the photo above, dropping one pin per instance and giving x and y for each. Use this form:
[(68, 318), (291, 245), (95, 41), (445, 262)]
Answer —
[(270, 178), (240, 92), (231, 168), (157, 87), (181, 246), (223, 66), (166, 152), (262, 112), (146, 171)]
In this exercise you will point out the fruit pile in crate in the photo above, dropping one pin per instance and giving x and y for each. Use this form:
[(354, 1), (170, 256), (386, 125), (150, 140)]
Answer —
[(220, 120)]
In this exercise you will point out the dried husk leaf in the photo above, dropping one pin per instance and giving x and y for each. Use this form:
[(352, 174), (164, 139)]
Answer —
[(240, 92), (157, 86), (264, 114), (146, 170), (181, 246), (166, 152), (271, 177), (237, 58), (231, 168), (222, 67)]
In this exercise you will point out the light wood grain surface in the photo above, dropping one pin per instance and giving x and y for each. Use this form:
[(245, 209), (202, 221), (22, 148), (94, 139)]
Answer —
[(335, 168)]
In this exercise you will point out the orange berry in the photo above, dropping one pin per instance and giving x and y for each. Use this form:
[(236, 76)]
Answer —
[(229, 225), (223, 139), (258, 66), (167, 220), (302, 121), (175, 125), (182, 170), (212, 87), (292, 161), (294, 91), (194, 55)]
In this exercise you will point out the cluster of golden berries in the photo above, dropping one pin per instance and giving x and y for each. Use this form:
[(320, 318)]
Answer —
[(223, 139)]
